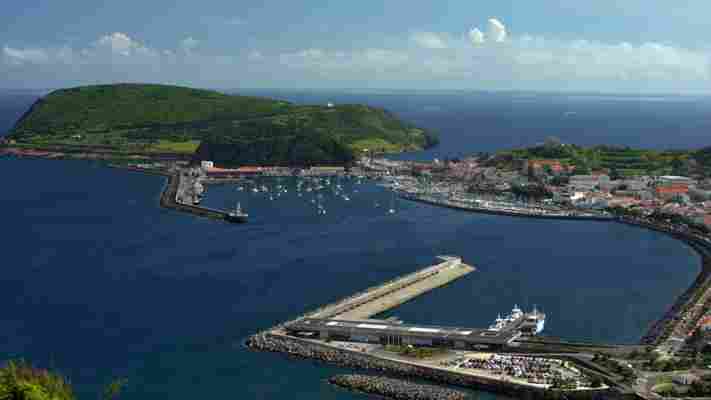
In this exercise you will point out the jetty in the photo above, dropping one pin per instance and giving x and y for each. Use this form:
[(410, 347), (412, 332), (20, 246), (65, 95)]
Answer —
[(391, 294), (170, 198)]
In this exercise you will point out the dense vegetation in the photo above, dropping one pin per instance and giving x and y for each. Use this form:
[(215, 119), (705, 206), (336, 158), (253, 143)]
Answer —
[(224, 128), (620, 160), (21, 381), (703, 160)]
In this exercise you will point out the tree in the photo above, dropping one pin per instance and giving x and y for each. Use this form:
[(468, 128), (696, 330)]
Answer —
[(113, 389), (615, 174), (596, 382)]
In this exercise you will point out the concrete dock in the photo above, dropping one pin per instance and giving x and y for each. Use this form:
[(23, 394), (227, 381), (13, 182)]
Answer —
[(384, 297)]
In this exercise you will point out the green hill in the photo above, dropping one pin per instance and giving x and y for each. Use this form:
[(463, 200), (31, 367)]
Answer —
[(130, 118)]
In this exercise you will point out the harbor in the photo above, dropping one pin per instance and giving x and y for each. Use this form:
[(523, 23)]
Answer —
[(347, 333)]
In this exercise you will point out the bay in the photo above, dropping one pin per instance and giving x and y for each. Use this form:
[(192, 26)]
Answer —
[(100, 282)]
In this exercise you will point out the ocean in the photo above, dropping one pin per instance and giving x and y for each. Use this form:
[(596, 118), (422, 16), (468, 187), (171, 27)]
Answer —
[(99, 282)]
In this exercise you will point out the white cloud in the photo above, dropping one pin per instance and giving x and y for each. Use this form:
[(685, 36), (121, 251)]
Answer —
[(476, 36), (120, 43), (428, 40), (497, 30), (21, 56), (189, 44), (419, 60)]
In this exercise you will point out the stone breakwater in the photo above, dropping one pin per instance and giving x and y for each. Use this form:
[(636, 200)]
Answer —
[(167, 200), (521, 212), (306, 349), (395, 388)]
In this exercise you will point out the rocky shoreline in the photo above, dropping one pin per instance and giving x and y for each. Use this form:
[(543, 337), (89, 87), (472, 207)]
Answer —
[(395, 388), (311, 350)]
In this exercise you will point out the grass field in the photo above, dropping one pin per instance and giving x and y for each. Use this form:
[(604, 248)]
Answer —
[(165, 146), (377, 145)]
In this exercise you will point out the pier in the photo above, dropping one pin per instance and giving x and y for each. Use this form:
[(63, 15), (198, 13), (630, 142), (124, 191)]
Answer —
[(396, 292)]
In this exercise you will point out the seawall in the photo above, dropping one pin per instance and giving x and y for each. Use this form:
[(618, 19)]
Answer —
[(663, 328), (167, 200), (395, 388), (484, 210), (308, 349)]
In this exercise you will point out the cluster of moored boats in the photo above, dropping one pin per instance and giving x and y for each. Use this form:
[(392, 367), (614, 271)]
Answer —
[(314, 189)]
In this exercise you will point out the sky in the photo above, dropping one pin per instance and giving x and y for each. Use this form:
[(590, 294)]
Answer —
[(615, 46)]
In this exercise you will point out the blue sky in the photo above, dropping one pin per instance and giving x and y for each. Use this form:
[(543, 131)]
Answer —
[(600, 45)]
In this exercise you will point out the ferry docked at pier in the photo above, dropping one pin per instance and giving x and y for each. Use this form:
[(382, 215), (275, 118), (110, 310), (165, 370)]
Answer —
[(530, 324)]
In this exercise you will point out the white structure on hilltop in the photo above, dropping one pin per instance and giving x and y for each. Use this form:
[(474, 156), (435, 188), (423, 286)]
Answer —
[(207, 164)]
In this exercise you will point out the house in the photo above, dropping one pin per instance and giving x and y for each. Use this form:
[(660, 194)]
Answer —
[(674, 180), (685, 379), (587, 183), (669, 191), (539, 166)]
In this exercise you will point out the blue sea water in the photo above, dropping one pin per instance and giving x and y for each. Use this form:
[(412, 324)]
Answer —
[(98, 281)]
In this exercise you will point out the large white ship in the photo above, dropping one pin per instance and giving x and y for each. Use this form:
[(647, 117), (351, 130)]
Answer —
[(531, 323)]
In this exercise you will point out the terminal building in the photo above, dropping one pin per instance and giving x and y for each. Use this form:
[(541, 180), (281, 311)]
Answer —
[(394, 333)]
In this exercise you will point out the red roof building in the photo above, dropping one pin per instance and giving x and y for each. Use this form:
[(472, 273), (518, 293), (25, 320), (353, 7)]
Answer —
[(666, 191)]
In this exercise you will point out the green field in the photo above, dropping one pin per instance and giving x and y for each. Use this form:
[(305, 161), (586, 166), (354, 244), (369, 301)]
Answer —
[(165, 146), (623, 161)]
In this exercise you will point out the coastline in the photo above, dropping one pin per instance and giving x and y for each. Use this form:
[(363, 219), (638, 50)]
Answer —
[(483, 210), (663, 328), (701, 247)]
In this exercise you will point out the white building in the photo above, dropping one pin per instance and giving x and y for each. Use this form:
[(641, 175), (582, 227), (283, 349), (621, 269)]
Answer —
[(207, 165), (675, 180), (587, 183)]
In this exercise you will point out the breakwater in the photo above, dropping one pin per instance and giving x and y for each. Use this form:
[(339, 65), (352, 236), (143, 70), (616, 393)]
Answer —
[(395, 388), (167, 200), (523, 213), (313, 350)]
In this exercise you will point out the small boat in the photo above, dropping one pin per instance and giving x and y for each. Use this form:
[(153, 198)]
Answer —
[(237, 215)]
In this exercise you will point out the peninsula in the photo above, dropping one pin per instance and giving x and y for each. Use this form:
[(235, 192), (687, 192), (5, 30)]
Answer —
[(148, 122)]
